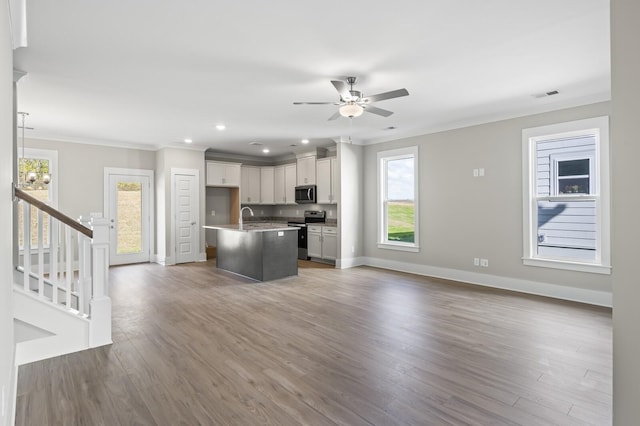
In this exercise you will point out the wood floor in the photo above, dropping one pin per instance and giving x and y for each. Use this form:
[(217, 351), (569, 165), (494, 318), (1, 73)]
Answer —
[(361, 346)]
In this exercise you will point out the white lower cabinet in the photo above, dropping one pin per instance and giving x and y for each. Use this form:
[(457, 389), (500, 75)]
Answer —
[(322, 242), (329, 242)]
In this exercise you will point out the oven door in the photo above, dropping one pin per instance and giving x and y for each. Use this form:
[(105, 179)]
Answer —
[(302, 241)]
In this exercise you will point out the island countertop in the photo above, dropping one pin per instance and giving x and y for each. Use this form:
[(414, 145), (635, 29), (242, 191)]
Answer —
[(254, 227)]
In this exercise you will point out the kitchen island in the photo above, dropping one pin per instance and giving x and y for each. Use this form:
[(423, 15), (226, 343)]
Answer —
[(262, 251)]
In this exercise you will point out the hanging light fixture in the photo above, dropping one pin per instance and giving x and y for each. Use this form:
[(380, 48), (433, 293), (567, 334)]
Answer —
[(351, 109)]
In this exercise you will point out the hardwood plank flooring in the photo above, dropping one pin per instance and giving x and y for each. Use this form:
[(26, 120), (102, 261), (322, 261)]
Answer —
[(363, 346)]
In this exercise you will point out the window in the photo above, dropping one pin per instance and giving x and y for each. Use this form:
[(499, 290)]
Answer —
[(566, 196), (398, 199), (40, 163)]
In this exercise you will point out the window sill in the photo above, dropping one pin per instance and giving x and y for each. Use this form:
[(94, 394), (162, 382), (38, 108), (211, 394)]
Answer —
[(568, 265), (399, 247)]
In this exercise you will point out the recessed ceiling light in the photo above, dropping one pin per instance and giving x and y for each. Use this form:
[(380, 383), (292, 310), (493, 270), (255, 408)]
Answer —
[(305, 141), (188, 141), (266, 150), (220, 126)]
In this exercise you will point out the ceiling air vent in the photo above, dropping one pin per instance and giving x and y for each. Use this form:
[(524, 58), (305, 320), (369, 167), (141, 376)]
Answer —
[(545, 94)]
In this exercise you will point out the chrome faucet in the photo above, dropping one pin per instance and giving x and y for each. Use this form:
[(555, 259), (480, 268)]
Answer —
[(241, 210)]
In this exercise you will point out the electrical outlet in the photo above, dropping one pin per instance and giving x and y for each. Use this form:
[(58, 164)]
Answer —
[(481, 172), (330, 213), (297, 212), (476, 261), (484, 263), (213, 212), (280, 212), (475, 172), (261, 211)]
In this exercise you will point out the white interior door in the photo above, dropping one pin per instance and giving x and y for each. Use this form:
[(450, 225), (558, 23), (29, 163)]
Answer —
[(186, 217), (129, 218)]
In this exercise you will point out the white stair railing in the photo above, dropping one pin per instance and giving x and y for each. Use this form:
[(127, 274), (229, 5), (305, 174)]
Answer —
[(50, 270)]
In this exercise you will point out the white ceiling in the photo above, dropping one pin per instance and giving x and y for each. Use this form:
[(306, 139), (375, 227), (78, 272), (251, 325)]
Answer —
[(152, 73)]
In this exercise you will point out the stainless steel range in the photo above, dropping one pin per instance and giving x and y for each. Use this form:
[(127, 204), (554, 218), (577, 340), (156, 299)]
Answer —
[(310, 216)]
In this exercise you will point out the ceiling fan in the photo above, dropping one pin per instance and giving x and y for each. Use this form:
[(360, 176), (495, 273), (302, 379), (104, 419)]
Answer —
[(352, 103)]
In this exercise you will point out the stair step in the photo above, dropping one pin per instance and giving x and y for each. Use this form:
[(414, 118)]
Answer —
[(24, 332)]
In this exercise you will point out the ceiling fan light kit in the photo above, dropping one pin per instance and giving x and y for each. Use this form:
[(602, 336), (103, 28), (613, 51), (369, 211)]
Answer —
[(352, 103), (351, 110)]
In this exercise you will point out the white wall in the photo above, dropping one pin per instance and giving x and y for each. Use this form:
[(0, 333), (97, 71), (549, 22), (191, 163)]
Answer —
[(462, 217), (6, 171), (625, 151)]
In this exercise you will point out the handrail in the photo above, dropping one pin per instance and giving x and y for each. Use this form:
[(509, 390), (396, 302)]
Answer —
[(19, 193)]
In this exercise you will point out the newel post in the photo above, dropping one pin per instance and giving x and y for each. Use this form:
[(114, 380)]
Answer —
[(84, 267), (100, 305)]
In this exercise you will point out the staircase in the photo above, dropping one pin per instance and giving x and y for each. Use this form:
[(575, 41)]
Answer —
[(61, 302)]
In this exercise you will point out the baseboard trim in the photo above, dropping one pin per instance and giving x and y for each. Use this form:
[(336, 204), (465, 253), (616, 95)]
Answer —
[(592, 297), (350, 263)]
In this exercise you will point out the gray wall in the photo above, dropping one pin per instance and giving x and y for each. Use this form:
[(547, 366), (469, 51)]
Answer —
[(81, 171), (625, 150), (462, 217), (6, 252), (166, 159)]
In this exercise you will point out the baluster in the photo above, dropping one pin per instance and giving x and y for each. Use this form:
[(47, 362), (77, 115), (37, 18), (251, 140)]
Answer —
[(40, 255), (26, 242), (69, 259), (54, 229)]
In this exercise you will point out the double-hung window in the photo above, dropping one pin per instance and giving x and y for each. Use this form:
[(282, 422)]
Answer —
[(566, 196), (398, 199)]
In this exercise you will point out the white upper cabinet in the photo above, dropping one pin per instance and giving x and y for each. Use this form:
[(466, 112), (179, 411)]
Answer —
[(290, 183), (267, 188), (220, 173), (250, 185), (285, 184), (326, 180), (306, 170)]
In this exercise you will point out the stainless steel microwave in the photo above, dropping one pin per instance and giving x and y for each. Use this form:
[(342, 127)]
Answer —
[(306, 194)]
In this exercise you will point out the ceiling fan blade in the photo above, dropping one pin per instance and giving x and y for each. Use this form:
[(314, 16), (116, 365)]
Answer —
[(378, 111), (342, 88), (316, 103), (387, 95), (334, 116)]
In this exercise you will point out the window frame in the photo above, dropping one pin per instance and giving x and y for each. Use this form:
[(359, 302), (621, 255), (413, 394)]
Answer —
[(599, 192), (556, 159), (383, 158), (51, 156)]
